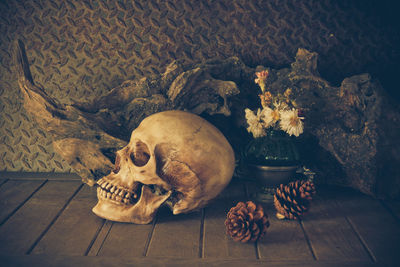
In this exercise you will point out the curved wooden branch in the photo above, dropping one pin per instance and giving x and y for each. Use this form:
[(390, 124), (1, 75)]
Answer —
[(104, 125), (350, 136), (69, 127)]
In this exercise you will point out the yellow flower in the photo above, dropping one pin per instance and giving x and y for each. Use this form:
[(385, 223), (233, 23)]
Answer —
[(275, 115), (266, 99), (291, 123), (288, 92)]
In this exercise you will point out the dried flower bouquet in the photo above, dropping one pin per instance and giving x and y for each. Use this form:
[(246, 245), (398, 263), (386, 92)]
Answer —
[(279, 112)]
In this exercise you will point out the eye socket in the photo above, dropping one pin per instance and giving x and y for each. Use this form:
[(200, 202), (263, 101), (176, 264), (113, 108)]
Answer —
[(140, 155), (117, 166)]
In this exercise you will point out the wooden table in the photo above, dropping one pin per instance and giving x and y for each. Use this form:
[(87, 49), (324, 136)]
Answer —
[(46, 220)]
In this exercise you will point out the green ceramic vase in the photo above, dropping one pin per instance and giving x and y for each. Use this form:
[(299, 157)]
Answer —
[(271, 160), (277, 148)]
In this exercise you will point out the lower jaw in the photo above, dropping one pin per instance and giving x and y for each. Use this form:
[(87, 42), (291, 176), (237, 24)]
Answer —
[(111, 211), (141, 212)]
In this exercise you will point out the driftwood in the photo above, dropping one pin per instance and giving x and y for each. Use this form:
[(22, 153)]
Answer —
[(352, 130), (86, 135), (350, 136)]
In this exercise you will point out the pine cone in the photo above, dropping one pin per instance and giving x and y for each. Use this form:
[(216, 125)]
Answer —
[(293, 200), (246, 222)]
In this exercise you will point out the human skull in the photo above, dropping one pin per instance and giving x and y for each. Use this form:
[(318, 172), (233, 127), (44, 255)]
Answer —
[(173, 157)]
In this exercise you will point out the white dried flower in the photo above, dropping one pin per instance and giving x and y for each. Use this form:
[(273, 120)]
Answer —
[(291, 123), (255, 122), (268, 117)]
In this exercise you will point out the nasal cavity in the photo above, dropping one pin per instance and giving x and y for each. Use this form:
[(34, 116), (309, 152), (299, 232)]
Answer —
[(140, 154), (117, 164)]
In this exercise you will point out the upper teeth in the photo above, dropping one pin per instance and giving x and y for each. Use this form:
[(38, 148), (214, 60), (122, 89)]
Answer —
[(120, 194), (115, 192)]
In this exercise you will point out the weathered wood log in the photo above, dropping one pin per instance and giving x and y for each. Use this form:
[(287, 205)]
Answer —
[(351, 134), (352, 131), (65, 122), (86, 135)]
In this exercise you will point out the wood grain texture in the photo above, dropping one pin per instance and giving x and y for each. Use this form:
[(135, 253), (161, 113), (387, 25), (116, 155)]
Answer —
[(394, 207), (78, 139), (82, 131), (284, 239), (20, 232), (217, 244), (56, 226), (13, 194), (126, 240), (72, 232), (39, 176), (67, 261), (175, 235), (378, 229), (2, 181), (100, 238), (330, 234)]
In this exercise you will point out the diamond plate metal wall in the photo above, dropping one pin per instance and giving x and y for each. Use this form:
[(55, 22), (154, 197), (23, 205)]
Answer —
[(81, 48)]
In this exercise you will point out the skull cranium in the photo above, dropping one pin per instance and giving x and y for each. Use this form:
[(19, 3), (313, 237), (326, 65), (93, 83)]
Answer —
[(173, 157)]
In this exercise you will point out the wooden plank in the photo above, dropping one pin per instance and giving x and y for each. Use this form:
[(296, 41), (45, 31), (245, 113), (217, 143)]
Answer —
[(126, 240), (39, 176), (2, 181), (284, 239), (330, 234), (217, 244), (378, 229), (100, 239), (13, 194), (67, 261), (175, 235), (75, 229), (19, 233), (394, 207)]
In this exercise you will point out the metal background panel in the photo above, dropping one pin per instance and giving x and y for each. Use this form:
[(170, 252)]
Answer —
[(81, 49)]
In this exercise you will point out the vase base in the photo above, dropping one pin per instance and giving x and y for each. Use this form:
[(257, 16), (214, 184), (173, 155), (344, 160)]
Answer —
[(265, 195), (271, 176)]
